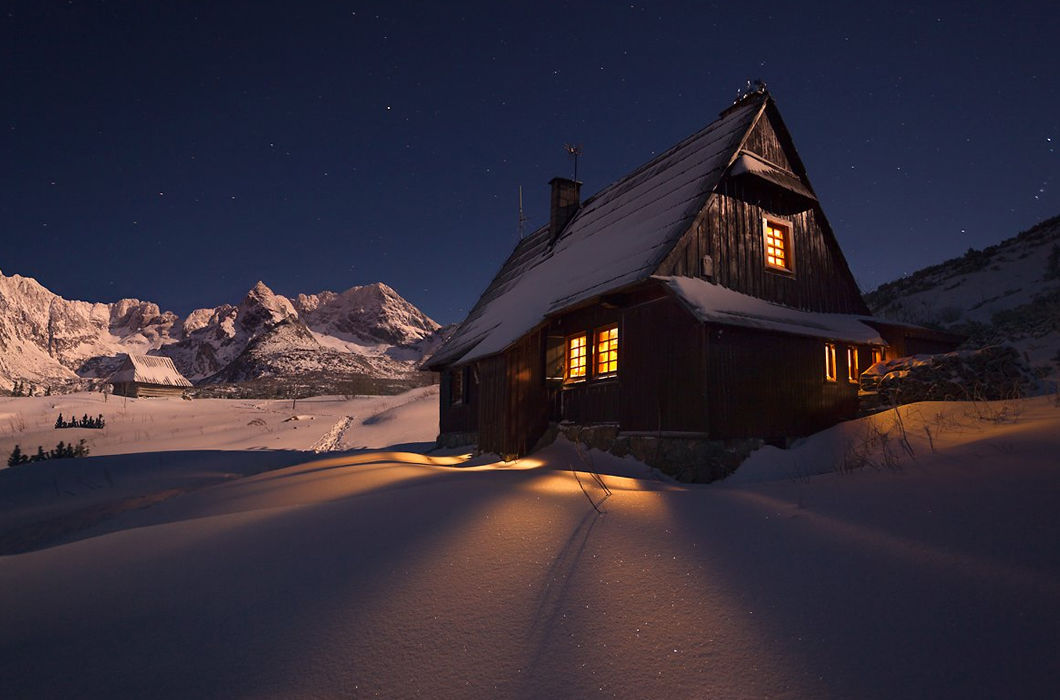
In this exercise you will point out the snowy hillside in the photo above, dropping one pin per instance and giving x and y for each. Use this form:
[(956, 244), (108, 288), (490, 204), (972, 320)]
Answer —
[(1009, 292), (46, 340), (927, 567)]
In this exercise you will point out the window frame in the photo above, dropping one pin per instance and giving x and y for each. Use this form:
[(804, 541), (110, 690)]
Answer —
[(586, 360), (613, 348), (782, 224), (830, 373), (458, 386), (852, 364)]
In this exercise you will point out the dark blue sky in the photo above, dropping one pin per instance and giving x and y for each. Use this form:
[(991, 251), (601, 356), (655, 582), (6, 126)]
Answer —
[(180, 151)]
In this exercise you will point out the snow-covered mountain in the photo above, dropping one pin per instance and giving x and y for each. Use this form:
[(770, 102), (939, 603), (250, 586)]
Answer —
[(370, 330), (1009, 292)]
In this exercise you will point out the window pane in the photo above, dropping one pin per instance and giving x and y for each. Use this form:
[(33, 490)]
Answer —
[(607, 350), (576, 357)]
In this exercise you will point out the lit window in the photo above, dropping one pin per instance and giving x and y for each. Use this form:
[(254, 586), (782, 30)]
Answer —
[(607, 351), (829, 362), (577, 358), (778, 245), (877, 355), (852, 364)]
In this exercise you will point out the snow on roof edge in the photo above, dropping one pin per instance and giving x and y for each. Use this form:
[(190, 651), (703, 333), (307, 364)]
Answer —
[(712, 303)]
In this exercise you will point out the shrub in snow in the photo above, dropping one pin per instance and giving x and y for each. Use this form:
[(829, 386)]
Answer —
[(992, 373), (61, 451)]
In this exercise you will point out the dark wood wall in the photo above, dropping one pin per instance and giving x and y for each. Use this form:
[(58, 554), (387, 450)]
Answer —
[(771, 385), (729, 230), (663, 369), (461, 417), (511, 400)]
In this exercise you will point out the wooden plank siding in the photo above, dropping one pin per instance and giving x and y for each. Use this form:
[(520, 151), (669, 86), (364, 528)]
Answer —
[(510, 401), (731, 233), (764, 141), (461, 417), (771, 385), (662, 369)]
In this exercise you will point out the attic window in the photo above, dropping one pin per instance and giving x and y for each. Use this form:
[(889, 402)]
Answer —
[(577, 358), (829, 362), (852, 364), (777, 236), (607, 351)]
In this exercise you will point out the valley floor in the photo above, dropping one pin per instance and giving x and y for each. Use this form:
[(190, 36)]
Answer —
[(925, 567)]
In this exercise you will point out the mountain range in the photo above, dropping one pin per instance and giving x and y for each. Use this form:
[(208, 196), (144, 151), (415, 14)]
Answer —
[(1005, 293), (328, 338)]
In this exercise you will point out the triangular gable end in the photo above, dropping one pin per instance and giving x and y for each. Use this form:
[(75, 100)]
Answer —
[(725, 245)]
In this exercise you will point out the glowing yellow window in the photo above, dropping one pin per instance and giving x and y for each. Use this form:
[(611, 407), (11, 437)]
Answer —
[(577, 357), (877, 355), (852, 364), (607, 351), (778, 245), (829, 362)]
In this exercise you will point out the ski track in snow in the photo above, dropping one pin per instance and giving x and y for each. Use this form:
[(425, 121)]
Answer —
[(331, 441)]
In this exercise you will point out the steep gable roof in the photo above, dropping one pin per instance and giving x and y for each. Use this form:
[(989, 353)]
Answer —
[(149, 369), (618, 237)]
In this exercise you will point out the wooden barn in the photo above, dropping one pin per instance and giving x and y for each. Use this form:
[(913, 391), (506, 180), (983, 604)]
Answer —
[(148, 375), (702, 299)]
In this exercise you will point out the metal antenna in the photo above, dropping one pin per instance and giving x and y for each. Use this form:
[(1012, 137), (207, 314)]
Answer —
[(574, 150), (522, 215)]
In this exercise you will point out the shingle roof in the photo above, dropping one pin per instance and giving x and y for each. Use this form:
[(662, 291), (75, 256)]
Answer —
[(149, 369), (618, 237)]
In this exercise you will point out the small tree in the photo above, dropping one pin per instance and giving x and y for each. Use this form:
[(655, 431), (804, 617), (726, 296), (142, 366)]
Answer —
[(16, 457), (40, 456), (59, 422)]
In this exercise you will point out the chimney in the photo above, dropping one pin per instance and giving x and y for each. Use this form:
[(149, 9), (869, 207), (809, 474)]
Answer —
[(566, 198)]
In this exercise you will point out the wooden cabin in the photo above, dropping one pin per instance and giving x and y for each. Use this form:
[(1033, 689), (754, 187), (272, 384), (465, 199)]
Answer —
[(148, 375), (700, 301)]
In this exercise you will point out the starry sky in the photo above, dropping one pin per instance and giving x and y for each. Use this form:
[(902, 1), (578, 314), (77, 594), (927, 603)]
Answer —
[(178, 152)]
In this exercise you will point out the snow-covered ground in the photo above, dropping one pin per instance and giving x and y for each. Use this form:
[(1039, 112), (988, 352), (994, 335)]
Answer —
[(931, 571)]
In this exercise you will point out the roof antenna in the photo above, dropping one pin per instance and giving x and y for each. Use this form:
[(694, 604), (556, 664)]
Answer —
[(522, 214), (574, 150)]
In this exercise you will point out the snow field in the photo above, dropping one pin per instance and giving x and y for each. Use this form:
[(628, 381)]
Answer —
[(393, 573)]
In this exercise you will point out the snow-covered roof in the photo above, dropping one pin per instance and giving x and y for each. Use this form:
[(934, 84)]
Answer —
[(713, 303), (148, 369), (618, 237)]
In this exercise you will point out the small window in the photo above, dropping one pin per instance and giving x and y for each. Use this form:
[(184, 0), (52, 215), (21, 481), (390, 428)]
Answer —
[(778, 244), (456, 386), (877, 355), (829, 362), (852, 364), (607, 351), (577, 358)]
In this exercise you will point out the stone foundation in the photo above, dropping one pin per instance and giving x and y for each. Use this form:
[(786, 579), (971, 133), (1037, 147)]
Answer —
[(448, 440), (685, 457)]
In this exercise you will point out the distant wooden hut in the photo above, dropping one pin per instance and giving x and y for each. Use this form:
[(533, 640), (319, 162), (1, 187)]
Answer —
[(702, 299), (148, 375)]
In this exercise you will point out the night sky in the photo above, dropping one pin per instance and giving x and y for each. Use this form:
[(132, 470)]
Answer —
[(179, 151)]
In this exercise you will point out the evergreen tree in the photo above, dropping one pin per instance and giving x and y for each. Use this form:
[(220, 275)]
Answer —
[(82, 449), (59, 422), (16, 457), (59, 451), (84, 421), (40, 456)]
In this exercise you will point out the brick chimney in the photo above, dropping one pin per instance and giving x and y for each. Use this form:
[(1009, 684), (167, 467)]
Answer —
[(566, 198)]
